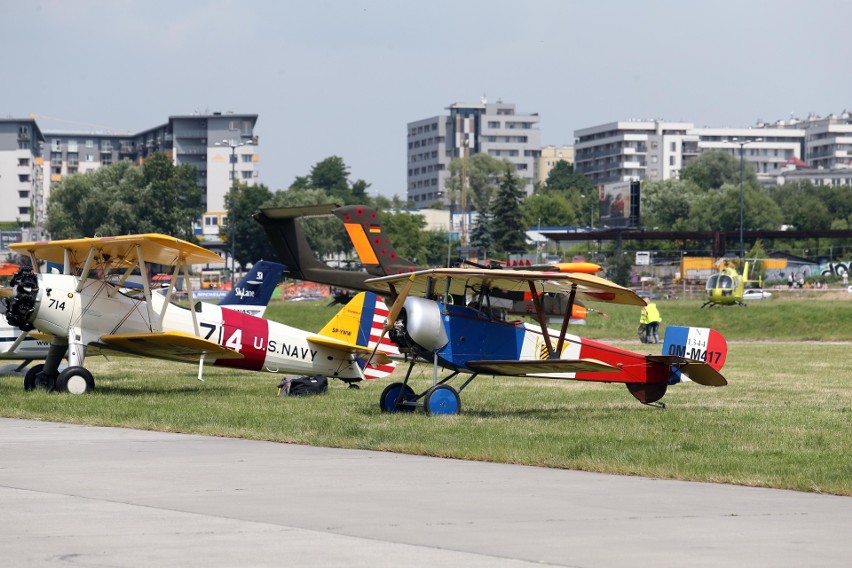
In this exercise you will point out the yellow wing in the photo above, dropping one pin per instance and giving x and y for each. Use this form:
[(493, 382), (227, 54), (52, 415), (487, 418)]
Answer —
[(461, 280), (171, 345), (364, 352), (156, 248), (539, 366)]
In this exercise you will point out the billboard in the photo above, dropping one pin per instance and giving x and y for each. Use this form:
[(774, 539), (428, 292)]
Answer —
[(619, 204)]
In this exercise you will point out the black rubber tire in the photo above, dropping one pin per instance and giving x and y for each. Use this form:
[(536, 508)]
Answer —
[(30, 377), (75, 380)]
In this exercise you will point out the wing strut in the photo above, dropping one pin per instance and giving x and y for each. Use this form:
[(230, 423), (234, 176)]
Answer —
[(146, 286), (84, 274), (200, 366), (568, 311), (540, 313)]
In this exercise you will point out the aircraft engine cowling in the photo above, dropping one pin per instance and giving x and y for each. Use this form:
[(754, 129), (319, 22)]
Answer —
[(420, 325), (21, 307)]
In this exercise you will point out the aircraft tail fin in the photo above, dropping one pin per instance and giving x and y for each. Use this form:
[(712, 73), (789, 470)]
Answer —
[(704, 348), (360, 322), (373, 246), (292, 247), (253, 292)]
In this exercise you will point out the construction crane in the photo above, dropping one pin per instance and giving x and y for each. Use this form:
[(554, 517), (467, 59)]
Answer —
[(108, 129)]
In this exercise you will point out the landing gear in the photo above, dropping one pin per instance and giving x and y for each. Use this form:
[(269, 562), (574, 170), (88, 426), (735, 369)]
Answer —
[(395, 396), (75, 380), (441, 399)]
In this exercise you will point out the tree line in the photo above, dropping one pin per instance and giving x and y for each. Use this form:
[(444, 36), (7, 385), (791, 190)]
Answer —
[(158, 196)]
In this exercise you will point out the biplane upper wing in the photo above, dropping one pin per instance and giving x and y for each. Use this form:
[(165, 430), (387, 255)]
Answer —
[(171, 345), (513, 368), (461, 280), (154, 247)]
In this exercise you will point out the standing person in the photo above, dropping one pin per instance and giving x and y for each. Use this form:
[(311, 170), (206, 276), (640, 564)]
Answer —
[(653, 319), (790, 281), (643, 326)]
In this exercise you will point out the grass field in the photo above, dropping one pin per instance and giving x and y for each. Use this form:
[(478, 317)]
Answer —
[(783, 421)]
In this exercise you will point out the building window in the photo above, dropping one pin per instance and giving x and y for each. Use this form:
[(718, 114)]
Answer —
[(24, 210), (90, 143), (24, 162), (72, 145), (56, 145), (24, 194)]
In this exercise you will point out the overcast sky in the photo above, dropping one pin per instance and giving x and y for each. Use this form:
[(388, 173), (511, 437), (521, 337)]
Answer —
[(334, 77)]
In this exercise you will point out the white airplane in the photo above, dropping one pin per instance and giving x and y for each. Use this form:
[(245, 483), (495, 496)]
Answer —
[(80, 313), (251, 295)]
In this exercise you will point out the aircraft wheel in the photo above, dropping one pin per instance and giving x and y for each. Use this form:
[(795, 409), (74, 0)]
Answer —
[(442, 399), (397, 392), (75, 380), (32, 374)]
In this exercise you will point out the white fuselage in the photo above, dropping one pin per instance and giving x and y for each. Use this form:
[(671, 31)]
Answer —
[(101, 309)]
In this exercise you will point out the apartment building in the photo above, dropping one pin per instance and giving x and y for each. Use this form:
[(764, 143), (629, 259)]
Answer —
[(657, 150), (207, 141), (496, 129), (828, 144), (21, 198)]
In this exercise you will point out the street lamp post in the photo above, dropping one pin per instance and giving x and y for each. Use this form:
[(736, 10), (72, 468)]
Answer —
[(742, 194), (233, 145)]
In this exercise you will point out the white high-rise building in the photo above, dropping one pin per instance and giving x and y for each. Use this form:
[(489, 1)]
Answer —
[(492, 128)]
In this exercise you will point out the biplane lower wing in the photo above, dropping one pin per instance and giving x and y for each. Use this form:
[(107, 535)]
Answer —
[(171, 345), (542, 366), (358, 350)]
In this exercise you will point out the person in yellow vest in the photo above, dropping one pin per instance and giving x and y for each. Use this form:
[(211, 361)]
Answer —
[(643, 326), (652, 318)]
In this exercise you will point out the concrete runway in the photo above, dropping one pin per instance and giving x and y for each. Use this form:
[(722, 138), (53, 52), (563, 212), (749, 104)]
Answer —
[(95, 497)]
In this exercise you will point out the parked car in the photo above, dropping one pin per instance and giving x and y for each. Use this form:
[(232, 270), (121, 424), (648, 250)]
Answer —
[(756, 294)]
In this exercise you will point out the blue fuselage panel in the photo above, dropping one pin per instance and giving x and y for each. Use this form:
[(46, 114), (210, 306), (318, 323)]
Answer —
[(475, 337)]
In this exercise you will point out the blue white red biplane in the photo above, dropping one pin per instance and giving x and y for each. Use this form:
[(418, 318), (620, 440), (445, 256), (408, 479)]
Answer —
[(430, 321)]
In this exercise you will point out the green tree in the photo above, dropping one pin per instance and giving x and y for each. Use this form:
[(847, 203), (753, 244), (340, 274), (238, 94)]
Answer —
[(251, 243), (480, 173), (482, 235), (562, 178), (548, 209), (509, 228), (123, 198), (713, 169), (412, 241), (666, 203), (721, 209), (172, 198)]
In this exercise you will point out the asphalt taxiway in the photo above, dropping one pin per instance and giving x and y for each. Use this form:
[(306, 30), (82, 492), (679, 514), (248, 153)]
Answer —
[(89, 496)]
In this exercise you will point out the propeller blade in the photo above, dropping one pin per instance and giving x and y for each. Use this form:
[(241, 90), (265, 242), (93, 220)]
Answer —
[(393, 313)]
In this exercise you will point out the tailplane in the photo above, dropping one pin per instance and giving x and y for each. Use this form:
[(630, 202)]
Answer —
[(360, 322)]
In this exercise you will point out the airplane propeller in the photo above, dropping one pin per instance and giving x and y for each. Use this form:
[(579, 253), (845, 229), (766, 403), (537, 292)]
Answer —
[(394, 313)]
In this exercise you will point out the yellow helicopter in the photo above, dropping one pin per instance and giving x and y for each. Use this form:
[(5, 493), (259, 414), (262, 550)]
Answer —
[(726, 287)]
